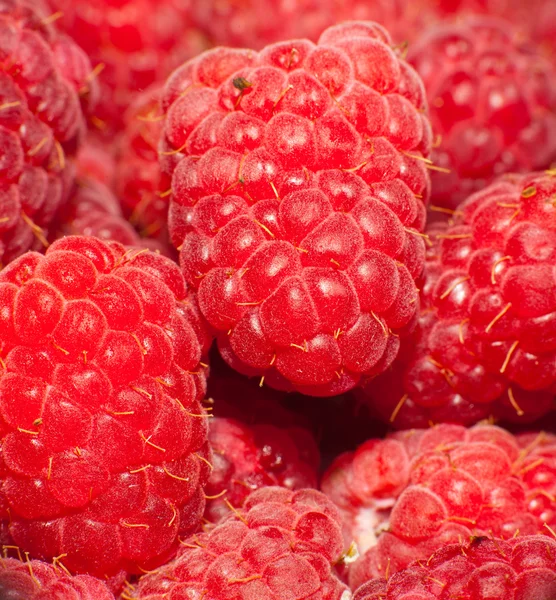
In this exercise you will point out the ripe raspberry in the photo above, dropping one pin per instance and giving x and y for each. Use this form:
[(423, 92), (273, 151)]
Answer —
[(522, 568), (247, 458), (132, 43), (493, 104), (282, 545), (297, 201), (404, 497), (487, 345), (36, 580), (41, 123), (103, 438)]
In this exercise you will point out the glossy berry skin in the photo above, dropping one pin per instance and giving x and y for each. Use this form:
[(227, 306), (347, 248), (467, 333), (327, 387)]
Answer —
[(522, 568), (41, 123), (281, 546), (297, 202), (492, 105), (404, 497), (36, 580), (246, 458), (104, 450), (486, 344)]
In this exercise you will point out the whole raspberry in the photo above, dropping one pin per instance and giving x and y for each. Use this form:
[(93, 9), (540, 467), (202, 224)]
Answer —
[(104, 450), (522, 568), (36, 580), (492, 103), (247, 458), (486, 344), (405, 497), (132, 43), (282, 545), (298, 197), (41, 123)]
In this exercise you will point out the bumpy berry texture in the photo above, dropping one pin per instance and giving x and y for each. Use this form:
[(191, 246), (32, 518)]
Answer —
[(523, 568), (282, 545), (132, 44), (407, 496), (104, 450), (486, 344), (297, 202), (43, 79), (246, 458), (36, 580), (492, 104)]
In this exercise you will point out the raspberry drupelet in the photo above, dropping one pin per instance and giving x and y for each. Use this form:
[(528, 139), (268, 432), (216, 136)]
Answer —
[(404, 497), (298, 200), (282, 545), (486, 341), (492, 105), (36, 580), (44, 89), (104, 451), (522, 568)]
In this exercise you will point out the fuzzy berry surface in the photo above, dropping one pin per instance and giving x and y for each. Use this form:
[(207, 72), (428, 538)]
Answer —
[(522, 568), (492, 104), (405, 497), (104, 450), (486, 341), (298, 196), (43, 95), (36, 580), (282, 546)]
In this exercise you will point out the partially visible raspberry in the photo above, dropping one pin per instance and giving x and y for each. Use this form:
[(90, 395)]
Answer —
[(36, 580), (298, 200), (132, 44), (492, 103), (246, 458), (486, 341), (41, 123), (522, 568), (96, 159), (407, 496), (282, 545), (104, 451)]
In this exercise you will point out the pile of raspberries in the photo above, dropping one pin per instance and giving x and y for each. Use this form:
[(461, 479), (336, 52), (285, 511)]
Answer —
[(277, 300)]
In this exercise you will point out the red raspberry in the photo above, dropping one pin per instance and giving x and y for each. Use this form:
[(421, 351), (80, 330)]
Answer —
[(297, 201), (132, 43), (522, 568), (104, 450), (487, 345), (404, 497), (36, 580), (41, 123), (282, 545), (493, 104), (247, 458)]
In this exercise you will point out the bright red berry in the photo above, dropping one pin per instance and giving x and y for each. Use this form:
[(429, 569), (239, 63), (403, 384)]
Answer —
[(522, 568), (492, 103), (104, 441), (282, 545), (297, 202)]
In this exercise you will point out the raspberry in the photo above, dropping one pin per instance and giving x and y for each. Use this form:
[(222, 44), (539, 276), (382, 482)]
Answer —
[(247, 458), (522, 568), (103, 438), (493, 104), (36, 580), (132, 43), (282, 545), (487, 344), (41, 123), (297, 201), (404, 497)]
